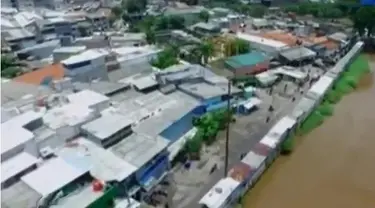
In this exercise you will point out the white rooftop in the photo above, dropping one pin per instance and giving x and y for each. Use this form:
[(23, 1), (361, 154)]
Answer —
[(102, 164), (107, 125), (253, 160), (291, 73), (145, 105), (16, 164), (82, 198), (218, 194), (321, 86), (127, 203), (67, 115), (23, 119), (12, 136), (138, 149), (260, 40), (52, 176), (282, 125), (144, 82), (87, 98), (70, 49), (252, 102), (269, 141), (86, 56)]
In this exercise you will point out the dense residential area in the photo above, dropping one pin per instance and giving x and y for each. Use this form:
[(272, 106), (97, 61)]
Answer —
[(179, 104)]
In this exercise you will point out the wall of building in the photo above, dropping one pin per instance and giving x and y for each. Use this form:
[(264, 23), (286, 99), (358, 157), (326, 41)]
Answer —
[(179, 127), (271, 50), (93, 70), (155, 167), (252, 69), (135, 65)]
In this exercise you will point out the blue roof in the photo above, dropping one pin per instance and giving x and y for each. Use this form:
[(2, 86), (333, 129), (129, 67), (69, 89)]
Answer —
[(248, 59)]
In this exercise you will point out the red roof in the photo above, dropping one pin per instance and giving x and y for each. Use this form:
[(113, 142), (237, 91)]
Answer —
[(261, 149), (54, 71)]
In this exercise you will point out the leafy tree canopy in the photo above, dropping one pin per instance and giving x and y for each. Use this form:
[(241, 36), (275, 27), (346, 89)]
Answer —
[(134, 6), (166, 58), (237, 47), (204, 15), (10, 68)]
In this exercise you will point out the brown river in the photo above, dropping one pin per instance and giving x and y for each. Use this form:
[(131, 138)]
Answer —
[(333, 166)]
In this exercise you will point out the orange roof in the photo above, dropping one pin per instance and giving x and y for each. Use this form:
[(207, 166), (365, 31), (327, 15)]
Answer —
[(330, 44), (54, 71), (291, 40), (283, 37)]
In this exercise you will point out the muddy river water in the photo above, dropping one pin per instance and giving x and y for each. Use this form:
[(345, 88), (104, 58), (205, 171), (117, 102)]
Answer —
[(333, 166)]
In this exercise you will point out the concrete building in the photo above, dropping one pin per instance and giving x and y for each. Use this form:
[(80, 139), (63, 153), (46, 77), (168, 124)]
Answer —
[(107, 130), (296, 55), (127, 40), (63, 53), (18, 4), (132, 61), (248, 64), (99, 21), (87, 66), (38, 51), (203, 29), (271, 47), (220, 195)]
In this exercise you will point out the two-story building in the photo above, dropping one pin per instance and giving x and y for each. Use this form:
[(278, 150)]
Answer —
[(87, 66)]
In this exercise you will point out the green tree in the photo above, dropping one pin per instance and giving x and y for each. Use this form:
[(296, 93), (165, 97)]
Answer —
[(10, 67), (166, 58), (176, 22), (134, 6), (288, 145), (236, 47), (205, 51), (162, 23), (204, 16), (257, 11), (83, 31), (117, 11), (150, 37), (364, 19)]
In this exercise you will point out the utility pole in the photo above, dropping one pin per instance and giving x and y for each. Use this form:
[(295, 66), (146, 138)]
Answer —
[(227, 132), (229, 119)]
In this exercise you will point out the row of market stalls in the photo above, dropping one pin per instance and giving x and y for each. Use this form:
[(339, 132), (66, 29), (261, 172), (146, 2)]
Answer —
[(247, 172)]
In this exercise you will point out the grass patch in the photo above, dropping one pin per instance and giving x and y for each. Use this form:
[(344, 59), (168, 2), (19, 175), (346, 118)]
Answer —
[(348, 81), (333, 97), (314, 120), (288, 145), (325, 109)]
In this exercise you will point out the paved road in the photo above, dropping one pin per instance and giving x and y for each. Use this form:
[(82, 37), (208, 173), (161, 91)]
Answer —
[(242, 143), (237, 147)]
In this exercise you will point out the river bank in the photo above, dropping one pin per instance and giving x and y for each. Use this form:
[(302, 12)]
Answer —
[(332, 166)]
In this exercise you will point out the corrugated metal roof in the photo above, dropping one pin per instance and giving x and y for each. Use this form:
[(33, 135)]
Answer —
[(261, 149), (253, 160), (298, 53)]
